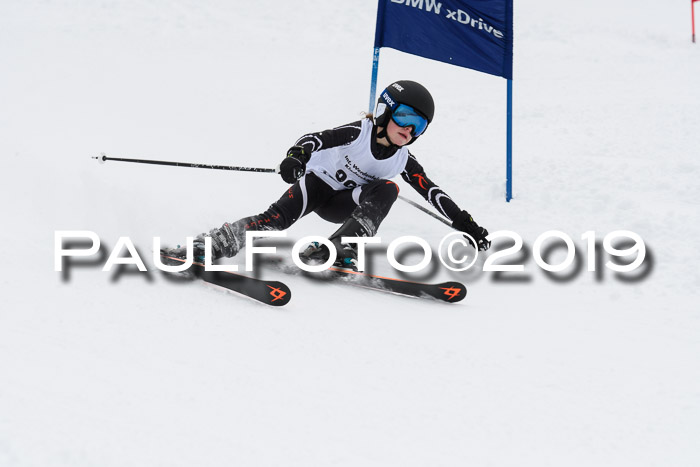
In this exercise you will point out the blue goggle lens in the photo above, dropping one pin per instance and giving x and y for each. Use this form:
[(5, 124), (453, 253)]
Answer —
[(404, 116)]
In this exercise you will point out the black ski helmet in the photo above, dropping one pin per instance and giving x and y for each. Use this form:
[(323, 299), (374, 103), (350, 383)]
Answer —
[(404, 92)]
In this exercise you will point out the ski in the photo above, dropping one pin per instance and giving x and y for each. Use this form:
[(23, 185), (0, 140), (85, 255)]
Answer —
[(272, 293), (450, 292)]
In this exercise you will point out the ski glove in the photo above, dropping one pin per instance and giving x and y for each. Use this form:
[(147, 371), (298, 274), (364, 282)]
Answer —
[(293, 166), (464, 223)]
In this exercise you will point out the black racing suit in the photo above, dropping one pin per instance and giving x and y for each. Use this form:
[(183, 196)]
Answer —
[(335, 206), (313, 194)]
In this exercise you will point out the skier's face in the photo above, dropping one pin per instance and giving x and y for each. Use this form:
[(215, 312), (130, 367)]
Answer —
[(400, 136)]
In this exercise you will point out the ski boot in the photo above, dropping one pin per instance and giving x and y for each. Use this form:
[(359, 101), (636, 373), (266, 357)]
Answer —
[(346, 255), (357, 225), (316, 253), (175, 256), (223, 243)]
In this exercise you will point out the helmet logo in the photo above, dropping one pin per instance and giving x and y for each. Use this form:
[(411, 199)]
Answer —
[(388, 99), (397, 86)]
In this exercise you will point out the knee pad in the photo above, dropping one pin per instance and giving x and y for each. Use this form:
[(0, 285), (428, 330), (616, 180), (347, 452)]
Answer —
[(385, 191)]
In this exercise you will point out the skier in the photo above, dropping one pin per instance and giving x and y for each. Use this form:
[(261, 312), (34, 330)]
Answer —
[(344, 175)]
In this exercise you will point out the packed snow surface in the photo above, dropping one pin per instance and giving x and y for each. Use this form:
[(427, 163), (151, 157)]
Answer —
[(121, 368)]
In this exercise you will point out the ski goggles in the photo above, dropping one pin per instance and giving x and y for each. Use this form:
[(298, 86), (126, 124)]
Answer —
[(404, 115)]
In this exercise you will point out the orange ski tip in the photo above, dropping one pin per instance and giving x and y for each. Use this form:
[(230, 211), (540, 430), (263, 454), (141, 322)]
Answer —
[(451, 292), (276, 293)]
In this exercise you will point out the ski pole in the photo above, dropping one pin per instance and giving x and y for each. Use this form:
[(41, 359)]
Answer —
[(102, 158), (426, 210), (438, 217)]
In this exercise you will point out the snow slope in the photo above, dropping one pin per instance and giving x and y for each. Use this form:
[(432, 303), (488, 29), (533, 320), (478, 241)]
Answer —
[(131, 369)]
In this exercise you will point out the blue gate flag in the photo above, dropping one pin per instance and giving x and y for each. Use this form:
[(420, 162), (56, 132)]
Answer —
[(476, 34)]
